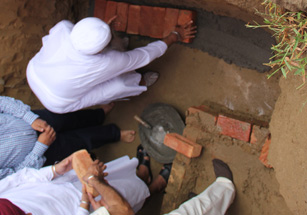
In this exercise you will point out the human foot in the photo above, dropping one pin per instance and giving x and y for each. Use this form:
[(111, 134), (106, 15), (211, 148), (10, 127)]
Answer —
[(221, 169), (144, 170), (108, 107), (127, 136), (160, 183)]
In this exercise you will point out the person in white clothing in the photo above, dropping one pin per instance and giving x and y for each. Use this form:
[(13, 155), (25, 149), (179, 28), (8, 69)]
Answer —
[(57, 190), (214, 200), (73, 69)]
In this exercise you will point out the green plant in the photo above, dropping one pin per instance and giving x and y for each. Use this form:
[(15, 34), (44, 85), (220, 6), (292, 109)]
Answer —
[(290, 32)]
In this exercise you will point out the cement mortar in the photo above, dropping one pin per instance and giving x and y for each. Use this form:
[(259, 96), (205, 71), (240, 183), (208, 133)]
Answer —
[(229, 39)]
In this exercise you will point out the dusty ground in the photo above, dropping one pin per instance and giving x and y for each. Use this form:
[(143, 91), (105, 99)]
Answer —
[(191, 77)]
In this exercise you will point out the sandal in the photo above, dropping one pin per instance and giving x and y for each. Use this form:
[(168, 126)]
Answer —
[(150, 78), (166, 171), (140, 154)]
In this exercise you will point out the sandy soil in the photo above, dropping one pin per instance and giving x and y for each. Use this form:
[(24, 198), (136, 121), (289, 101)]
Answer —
[(288, 148)]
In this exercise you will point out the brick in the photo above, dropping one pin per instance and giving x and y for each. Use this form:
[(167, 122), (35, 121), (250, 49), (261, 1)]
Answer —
[(265, 152), (81, 161), (170, 21), (134, 18), (100, 7), (184, 17), (182, 145), (253, 137), (156, 30), (234, 128), (122, 16), (196, 109), (258, 135), (147, 17), (110, 10)]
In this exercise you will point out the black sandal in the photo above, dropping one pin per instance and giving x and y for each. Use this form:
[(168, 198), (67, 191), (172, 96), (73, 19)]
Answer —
[(140, 154), (166, 171)]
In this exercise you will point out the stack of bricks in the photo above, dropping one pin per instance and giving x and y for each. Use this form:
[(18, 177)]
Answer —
[(155, 22), (233, 128)]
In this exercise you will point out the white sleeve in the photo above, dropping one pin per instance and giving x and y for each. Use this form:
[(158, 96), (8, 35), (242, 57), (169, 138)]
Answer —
[(26, 175), (122, 62), (82, 211), (101, 211)]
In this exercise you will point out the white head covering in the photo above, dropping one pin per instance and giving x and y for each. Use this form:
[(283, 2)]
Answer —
[(90, 35)]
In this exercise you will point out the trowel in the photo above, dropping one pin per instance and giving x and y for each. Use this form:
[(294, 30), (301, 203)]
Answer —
[(157, 132)]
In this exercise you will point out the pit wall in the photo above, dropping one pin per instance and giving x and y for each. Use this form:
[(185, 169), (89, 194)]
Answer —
[(288, 147), (22, 24)]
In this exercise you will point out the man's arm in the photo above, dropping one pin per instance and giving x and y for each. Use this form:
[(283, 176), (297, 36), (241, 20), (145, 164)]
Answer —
[(20, 110), (113, 201), (110, 198), (17, 108)]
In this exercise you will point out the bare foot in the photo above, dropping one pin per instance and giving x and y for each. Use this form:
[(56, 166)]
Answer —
[(158, 185), (127, 136), (143, 172), (108, 107)]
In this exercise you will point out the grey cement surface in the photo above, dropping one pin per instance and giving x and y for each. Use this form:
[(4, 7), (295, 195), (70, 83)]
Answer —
[(229, 39)]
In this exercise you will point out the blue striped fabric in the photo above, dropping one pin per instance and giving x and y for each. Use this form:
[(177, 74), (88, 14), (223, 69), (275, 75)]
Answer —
[(19, 147)]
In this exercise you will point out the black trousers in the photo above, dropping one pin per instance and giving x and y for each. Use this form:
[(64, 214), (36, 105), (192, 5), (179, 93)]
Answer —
[(77, 130)]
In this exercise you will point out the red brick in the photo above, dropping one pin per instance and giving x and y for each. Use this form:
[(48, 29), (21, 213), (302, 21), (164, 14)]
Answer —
[(156, 30), (182, 145), (110, 10), (204, 108), (170, 21), (100, 7), (258, 135), (147, 17), (184, 17), (234, 128), (122, 16), (265, 152), (134, 18)]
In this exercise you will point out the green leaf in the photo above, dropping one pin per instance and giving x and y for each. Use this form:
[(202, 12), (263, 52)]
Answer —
[(273, 73), (299, 71), (283, 72), (296, 32), (288, 65)]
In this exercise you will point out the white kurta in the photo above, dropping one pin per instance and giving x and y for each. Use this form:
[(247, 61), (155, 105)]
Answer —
[(215, 200), (66, 80), (34, 192)]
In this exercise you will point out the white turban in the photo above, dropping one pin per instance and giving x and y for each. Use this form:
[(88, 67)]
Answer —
[(90, 35)]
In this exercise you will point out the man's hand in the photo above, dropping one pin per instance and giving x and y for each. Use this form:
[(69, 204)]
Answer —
[(48, 136), (64, 166), (186, 31), (95, 204), (96, 169), (39, 125)]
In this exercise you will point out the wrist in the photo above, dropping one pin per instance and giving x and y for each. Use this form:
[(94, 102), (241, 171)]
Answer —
[(55, 173), (177, 34)]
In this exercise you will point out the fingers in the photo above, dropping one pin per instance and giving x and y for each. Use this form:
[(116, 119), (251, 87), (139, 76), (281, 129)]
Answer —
[(39, 125), (95, 204), (188, 23), (111, 20)]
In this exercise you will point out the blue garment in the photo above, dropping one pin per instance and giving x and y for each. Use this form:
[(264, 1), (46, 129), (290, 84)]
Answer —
[(19, 147)]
